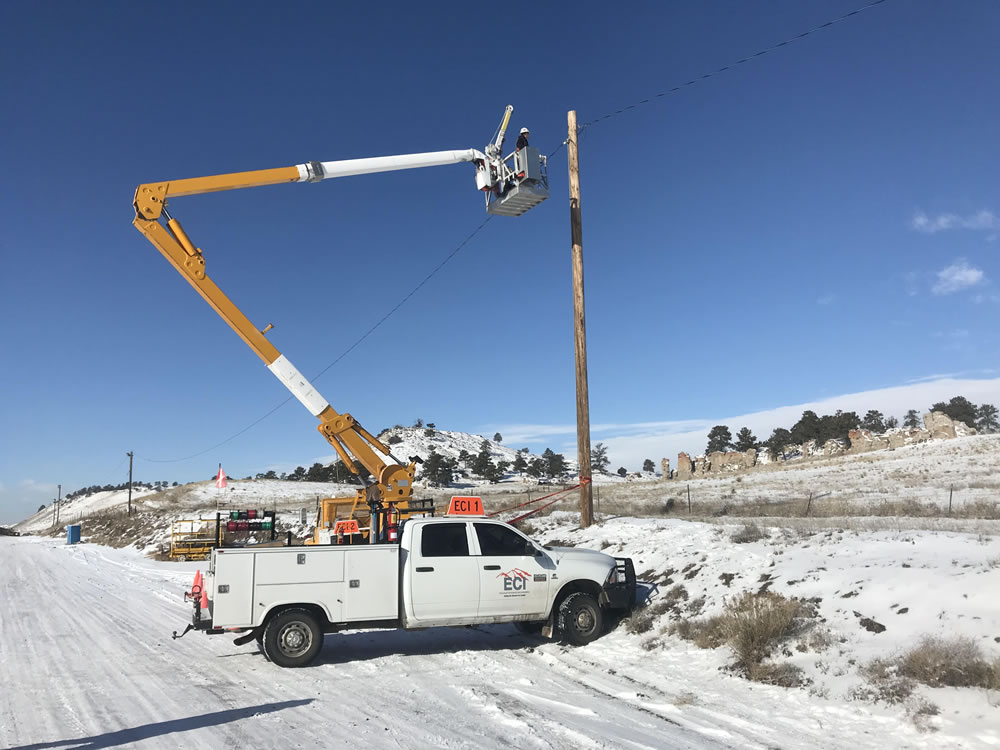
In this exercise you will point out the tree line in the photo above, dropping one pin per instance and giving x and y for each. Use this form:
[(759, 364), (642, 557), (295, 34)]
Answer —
[(441, 471), (136, 484), (837, 426)]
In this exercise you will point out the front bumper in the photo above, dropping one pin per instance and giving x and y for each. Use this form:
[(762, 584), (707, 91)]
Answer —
[(621, 592)]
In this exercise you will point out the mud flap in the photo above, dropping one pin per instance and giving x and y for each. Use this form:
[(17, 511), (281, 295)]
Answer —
[(550, 625), (245, 639)]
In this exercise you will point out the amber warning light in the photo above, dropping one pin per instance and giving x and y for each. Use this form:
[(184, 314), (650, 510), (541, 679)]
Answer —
[(466, 506)]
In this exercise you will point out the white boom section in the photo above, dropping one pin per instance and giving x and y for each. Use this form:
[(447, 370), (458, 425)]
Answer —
[(284, 370), (316, 171), (298, 384)]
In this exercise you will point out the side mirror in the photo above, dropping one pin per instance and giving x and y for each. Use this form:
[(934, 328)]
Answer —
[(529, 549)]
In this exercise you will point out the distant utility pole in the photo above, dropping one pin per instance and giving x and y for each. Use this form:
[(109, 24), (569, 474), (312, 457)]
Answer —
[(580, 328), (129, 454)]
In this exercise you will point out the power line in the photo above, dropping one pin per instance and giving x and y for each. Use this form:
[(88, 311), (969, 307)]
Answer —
[(343, 354), (711, 74), (580, 130)]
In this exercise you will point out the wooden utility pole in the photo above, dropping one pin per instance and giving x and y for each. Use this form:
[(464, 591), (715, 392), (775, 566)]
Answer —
[(129, 454), (580, 327)]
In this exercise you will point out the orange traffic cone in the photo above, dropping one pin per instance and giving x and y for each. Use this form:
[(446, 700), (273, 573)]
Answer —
[(204, 600), (197, 580)]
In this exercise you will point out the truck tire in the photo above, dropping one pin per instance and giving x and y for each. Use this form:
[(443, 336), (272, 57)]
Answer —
[(580, 620), (292, 638), (259, 637)]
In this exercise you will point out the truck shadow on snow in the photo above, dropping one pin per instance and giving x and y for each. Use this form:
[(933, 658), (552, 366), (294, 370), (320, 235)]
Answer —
[(161, 728), (360, 646)]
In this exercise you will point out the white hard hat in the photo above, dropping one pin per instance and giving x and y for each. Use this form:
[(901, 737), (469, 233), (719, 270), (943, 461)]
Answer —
[(524, 130)]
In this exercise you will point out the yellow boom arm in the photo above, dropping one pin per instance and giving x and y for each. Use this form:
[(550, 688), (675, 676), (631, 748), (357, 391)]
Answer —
[(392, 481)]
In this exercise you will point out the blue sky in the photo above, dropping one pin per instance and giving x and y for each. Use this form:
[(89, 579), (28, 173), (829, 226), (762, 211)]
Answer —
[(818, 222)]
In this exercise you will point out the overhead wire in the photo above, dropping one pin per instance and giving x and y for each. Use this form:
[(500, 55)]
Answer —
[(580, 131), (718, 71), (343, 354)]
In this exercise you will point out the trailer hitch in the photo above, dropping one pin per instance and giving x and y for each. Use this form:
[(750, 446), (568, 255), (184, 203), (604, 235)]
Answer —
[(183, 633)]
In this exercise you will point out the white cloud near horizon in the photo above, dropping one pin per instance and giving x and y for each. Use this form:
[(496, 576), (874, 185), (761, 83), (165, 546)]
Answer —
[(984, 219), (630, 444), (959, 275)]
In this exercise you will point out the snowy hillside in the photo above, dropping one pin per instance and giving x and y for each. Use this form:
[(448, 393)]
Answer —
[(416, 441), (492, 687)]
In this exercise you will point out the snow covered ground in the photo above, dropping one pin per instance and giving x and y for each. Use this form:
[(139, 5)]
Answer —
[(86, 659)]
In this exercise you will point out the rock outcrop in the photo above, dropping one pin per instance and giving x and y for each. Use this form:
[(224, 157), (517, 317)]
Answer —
[(665, 467), (863, 441), (937, 425), (940, 425)]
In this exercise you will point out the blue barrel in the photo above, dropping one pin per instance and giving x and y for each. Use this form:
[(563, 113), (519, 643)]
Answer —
[(73, 534)]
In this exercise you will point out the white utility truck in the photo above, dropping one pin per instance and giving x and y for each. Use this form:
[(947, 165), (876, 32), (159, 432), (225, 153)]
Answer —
[(456, 570)]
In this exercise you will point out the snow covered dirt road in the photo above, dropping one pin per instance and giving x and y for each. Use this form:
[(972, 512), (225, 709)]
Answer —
[(86, 661)]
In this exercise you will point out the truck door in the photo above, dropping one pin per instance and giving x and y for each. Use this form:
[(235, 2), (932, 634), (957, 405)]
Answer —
[(443, 575), (510, 581)]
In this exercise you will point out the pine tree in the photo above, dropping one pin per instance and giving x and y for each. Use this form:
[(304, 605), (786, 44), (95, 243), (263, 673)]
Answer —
[(622, 471), (777, 442), (599, 460), (536, 468), (498, 438), (481, 463), (874, 421), (807, 428), (520, 464), (316, 473), (648, 465), (891, 423), (719, 439), (844, 422), (436, 470), (961, 409), (986, 418), (745, 440), (556, 462), (912, 419), (298, 475), (495, 471)]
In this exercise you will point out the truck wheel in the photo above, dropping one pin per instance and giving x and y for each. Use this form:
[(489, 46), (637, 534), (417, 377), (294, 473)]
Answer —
[(580, 619), (292, 638)]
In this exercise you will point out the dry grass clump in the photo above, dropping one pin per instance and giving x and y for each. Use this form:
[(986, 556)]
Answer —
[(750, 532), (753, 625), (642, 618), (884, 683), (935, 661), (950, 662), (113, 528), (706, 633)]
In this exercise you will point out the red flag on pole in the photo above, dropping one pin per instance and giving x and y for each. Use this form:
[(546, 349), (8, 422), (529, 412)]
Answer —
[(220, 480)]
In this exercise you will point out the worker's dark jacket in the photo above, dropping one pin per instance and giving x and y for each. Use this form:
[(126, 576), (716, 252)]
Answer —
[(522, 142)]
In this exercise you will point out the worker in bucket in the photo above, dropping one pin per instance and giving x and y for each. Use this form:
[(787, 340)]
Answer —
[(522, 142)]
